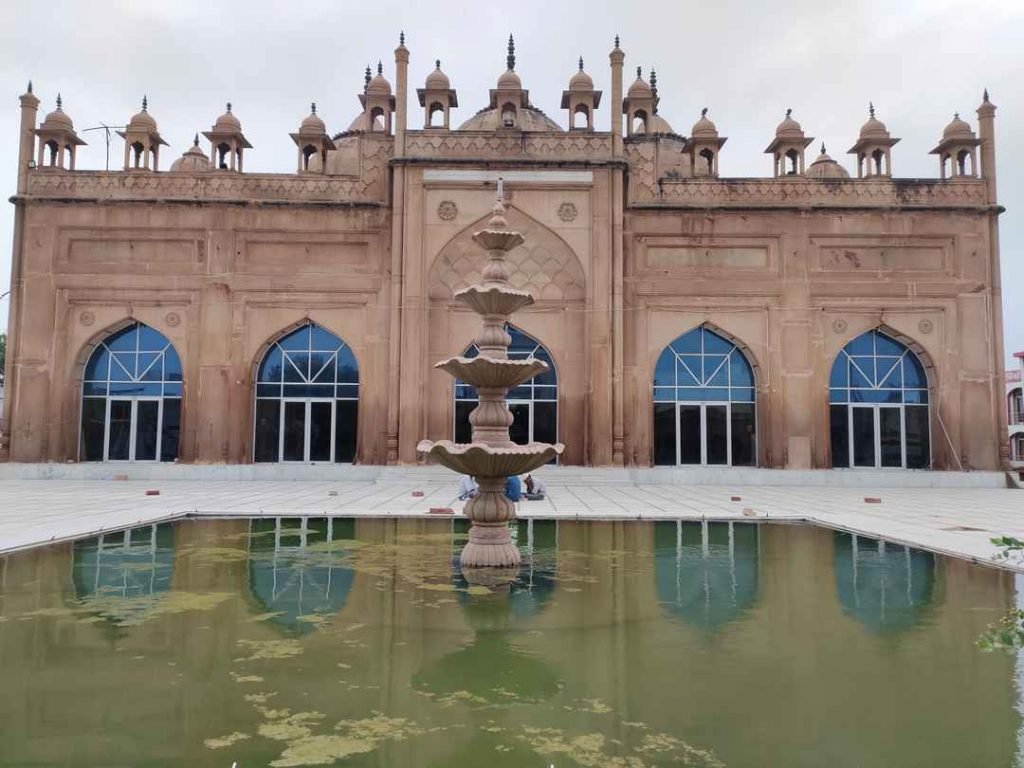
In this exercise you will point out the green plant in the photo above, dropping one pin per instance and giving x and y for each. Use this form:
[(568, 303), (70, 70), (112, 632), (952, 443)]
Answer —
[(1007, 633)]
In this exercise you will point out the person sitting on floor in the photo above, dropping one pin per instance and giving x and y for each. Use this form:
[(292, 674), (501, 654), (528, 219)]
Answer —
[(467, 487), (535, 489), (513, 488)]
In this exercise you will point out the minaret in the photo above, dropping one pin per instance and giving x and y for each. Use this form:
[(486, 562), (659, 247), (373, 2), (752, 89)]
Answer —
[(617, 58), (26, 146), (987, 134), (401, 94)]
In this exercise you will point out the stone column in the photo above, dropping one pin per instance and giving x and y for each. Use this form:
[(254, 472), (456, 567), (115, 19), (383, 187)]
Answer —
[(617, 57)]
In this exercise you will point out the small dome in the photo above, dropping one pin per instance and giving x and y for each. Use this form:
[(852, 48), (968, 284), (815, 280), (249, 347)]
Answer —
[(658, 124), (58, 119), (142, 121), (438, 80), (639, 89), (509, 81), (873, 128), (192, 161), (379, 86), (824, 167), (581, 81), (312, 123), (789, 128), (527, 119), (704, 127), (227, 123), (957, 129)]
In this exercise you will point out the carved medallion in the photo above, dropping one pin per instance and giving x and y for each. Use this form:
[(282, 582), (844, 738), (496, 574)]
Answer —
[(567, 211), (926, 326), (173, 319), (839, 325), (447, 210), (87, 318)]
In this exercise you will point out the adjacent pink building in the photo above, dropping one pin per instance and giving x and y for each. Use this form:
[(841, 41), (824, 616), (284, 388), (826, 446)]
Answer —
[(1015, 411)]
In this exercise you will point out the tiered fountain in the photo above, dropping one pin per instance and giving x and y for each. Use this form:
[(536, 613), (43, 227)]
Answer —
[(492, 456)]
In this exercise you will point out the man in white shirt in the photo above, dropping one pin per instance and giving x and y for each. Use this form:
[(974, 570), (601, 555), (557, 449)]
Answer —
[(535, 488), (467, 487)]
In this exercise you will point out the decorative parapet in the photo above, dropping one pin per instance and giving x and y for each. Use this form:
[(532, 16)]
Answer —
[(801, 192), (369, 187), (552, 147)]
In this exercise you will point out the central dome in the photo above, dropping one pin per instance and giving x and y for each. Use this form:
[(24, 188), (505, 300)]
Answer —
[(527, 119)]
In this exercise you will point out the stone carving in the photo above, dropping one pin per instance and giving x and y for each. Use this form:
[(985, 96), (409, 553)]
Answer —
[(87, 318), (173, 319), (839, 325), (926, 326), (465, 144), (447, 210), (543, 265), (567, 211)]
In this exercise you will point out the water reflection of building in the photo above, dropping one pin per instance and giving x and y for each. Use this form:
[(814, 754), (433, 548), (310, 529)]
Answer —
[(288, 578), (706, 573), (132, 563), (886, 587)]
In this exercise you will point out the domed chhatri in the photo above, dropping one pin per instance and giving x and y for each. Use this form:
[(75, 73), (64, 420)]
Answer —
[(492, 456)]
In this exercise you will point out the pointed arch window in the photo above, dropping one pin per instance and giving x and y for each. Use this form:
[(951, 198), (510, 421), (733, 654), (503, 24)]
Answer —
[(307, 399), (534, 404), (704, 403), (131, 398), (879, 412)]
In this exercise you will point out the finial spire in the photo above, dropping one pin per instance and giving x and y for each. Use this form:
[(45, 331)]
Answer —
[(789, 111), (59, 102), (654, 91), (511, 59), (956, 115), (30, 87), (401, 37), (823, 148), (312, 107), (581, 63), (984, 96), (195, 141), (145, 104), (229, 107), (704, 112), (871, 108), (639, 73), (437, 63), (367, 78), (616, 41), (380, 68)]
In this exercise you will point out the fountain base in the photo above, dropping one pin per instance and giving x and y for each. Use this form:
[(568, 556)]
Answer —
[(490, 546)]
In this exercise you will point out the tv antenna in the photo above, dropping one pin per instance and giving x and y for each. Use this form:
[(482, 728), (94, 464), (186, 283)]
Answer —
[(107, 129)]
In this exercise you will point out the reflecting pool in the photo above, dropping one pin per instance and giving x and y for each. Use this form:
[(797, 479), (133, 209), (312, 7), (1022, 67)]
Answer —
[(302, 641)]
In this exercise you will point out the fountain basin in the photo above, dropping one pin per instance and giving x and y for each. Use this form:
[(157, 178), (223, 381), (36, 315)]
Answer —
[(482, 460), (489, 372), (494, 299)]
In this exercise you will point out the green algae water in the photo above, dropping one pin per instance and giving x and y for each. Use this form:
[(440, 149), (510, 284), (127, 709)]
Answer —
[(294, 642)]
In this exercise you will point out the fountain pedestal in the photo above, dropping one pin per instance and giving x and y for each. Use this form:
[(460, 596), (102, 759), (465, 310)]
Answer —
[(492, 456)]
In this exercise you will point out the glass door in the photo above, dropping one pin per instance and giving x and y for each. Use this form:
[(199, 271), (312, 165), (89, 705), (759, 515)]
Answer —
[(876, 435), (293, 430), (133, 429), (704, 434), (890, 435), (307, 430), (690, 448), (716, 434)]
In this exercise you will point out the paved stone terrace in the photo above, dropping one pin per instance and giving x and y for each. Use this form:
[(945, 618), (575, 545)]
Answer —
[(954, 521)]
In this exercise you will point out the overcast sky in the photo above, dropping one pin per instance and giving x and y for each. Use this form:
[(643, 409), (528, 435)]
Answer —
[(919, 61)]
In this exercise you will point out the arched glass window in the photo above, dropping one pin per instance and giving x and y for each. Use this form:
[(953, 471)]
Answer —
[(307, 399), (534, 405), (704, 403), (878, 395), (131, 398)]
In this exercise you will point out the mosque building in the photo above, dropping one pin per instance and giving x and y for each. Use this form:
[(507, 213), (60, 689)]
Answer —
[(192, 310)]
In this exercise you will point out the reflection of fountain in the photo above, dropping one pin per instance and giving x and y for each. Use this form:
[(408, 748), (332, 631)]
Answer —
[(492, 456)]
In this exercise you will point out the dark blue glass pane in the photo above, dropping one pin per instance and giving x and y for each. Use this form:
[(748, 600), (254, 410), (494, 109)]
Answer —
[(886, 346), (521, 342), (268, 390), (720, 377), (321, 367), (837, 396), (296, 366), (913, 372), (839, 377), (271, 368), (716, 344), (520, 393), (122, 366), (348, 369), (711, 364), (716, 393), (172, 390), (465, 392), (690, 395), (309, 390), (323, 340), (741, 373), (134, 388), (296, 340), (665, 369), (889, 372), (545, 393), (94, 389), (858, 380), (689, 342), (915, 396), (743, 395), (693, 364), (684, 378), (151, 340), (867, 368), (347, 391), (124, 340), (875, 395), (664, 394), (862, 345), (548, 377), (98, 366), (471, 351), (150, 366), (172, 365)]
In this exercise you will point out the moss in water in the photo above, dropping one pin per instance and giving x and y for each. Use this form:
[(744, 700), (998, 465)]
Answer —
[(270, 649), (225, 741)]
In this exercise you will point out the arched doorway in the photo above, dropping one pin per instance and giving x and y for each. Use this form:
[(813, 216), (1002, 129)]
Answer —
[(704, 411), (131, 398), (307, 399), (878, 405), (534, 405)]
